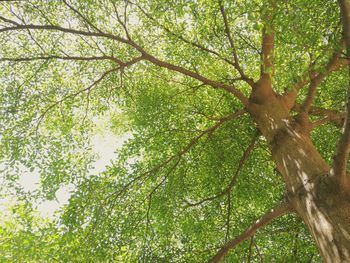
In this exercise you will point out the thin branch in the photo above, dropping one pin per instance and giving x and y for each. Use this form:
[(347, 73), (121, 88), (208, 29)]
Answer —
[(87, 21), (248, 43), (21, 18), (234, 52), (182, 38), (258, 252), (295, 249), (184, 150), (42, 13), (36, 42), (42, 116), (87, 106), (228, 31), (278, 211), (228, 218), (9, 21), (233, 181), (250, 251), (244, 158), (321, 112), (209, 131), (149, 197), (122, 23)]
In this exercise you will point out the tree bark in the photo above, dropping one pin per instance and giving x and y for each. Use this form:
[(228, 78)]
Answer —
[(311, 189), (314, 194)]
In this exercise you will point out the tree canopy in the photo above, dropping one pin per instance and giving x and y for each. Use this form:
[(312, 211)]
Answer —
[(177, 76)]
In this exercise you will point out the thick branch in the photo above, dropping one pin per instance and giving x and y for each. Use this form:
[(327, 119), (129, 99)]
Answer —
[(334, 63), (325, 115), (78, 58), (338, 119), (61, 29), (216, 84), (343, 149), (267, 49), (146, 55), (315, 78), (263, 89), (264, 220)]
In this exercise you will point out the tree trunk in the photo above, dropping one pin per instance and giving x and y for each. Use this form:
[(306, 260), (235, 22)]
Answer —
[(315, 195), (311, 189), (326, 212)]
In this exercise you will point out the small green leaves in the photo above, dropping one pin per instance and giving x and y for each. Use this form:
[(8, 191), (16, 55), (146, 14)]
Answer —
[(163, 195)]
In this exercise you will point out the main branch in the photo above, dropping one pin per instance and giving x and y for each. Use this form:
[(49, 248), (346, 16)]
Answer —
[(267, 54), (147, 56), (316, 81)]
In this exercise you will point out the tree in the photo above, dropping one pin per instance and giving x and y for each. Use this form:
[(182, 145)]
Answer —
[(233, 106)]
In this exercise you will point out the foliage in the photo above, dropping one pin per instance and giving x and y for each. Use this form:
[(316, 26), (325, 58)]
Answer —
[(164, 197)]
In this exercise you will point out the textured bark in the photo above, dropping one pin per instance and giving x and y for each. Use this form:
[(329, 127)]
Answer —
[(326, 212), (312, 191), (314, 194)]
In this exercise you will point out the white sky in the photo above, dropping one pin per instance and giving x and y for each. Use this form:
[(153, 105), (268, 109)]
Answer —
[(103, 144)]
